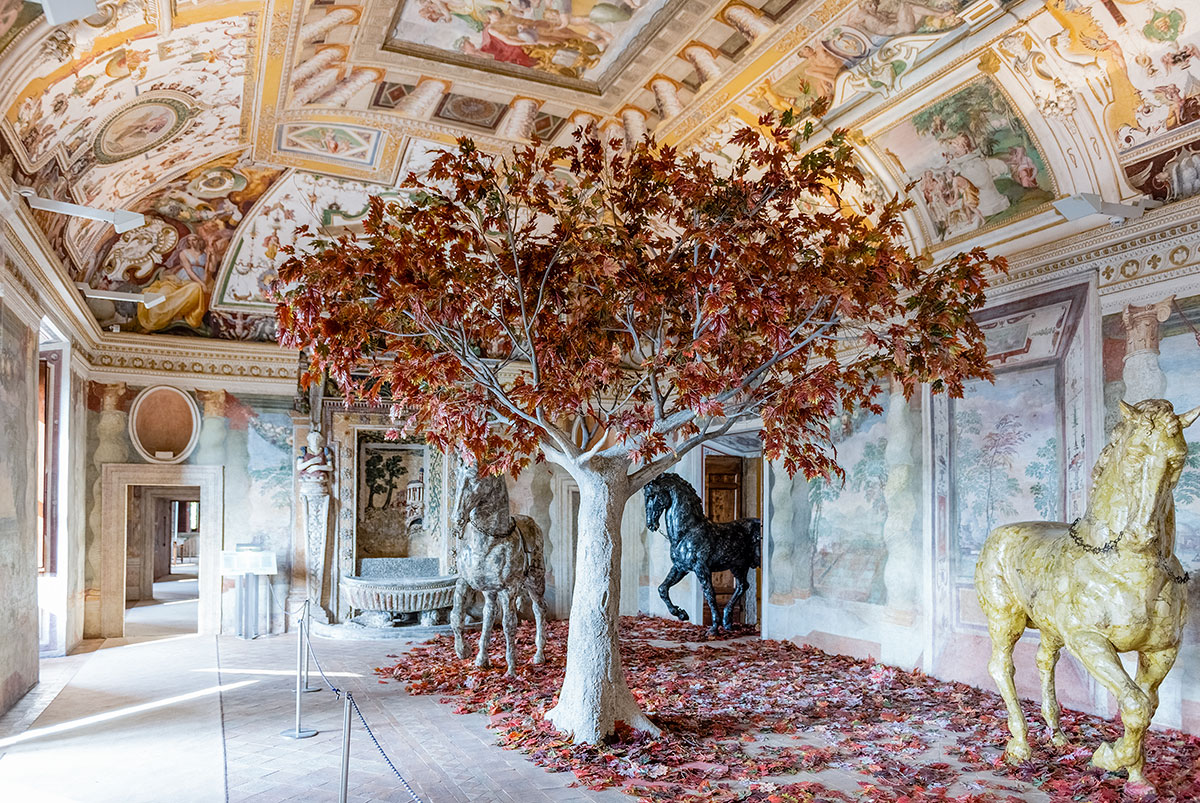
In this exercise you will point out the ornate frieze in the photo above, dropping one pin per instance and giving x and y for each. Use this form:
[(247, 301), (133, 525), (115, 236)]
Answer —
[(1162, 245)]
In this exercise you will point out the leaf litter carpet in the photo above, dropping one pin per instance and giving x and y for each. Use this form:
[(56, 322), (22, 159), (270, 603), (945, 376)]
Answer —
[(744, 719)]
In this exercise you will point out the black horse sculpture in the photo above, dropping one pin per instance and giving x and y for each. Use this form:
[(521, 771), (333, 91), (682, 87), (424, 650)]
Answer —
[(698, 545)]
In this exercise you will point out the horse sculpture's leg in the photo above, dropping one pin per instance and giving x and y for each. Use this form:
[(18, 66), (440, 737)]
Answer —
[(1005, 628), (1047, 657), (1100, 658), (508, 606), (485, 632), (539, 618), (664, 590), (710, 596), (1128, 752), (456, 617), (1152, 668), (739, 591)]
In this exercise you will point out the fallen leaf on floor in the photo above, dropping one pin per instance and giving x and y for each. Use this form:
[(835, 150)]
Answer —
[(745, 719)]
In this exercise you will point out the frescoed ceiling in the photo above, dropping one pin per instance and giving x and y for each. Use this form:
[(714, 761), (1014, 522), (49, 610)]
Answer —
[(231, 123)]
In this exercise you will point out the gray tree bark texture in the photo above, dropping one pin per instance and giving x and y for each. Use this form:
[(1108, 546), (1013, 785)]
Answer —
[(594, 695)]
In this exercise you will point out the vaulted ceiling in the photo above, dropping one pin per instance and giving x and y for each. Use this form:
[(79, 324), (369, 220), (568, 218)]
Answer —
[(230, 124)]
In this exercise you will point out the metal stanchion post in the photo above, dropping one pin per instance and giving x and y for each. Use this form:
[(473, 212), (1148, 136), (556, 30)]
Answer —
[(301, 645), (345, 750), (307, 635)]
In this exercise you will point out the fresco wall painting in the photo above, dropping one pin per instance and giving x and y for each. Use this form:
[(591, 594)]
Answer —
[(15, 16), (190, 224), (845, 566), (864, 50), (252, 441), (327, 205), (346, 143), (18, 560), (973, 159), (1149, 54), (391, 498), (1151, 351), (107, 118)]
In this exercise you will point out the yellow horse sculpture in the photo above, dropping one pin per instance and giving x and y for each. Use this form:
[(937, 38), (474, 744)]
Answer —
[(1109, 583)]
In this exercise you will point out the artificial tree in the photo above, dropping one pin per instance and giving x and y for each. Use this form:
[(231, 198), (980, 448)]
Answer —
[(612, 309)]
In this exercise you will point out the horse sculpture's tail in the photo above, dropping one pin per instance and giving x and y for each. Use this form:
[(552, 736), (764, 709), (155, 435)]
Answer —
[(755, 530)]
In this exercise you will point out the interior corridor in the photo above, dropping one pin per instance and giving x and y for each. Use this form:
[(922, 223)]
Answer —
[(172, 611)]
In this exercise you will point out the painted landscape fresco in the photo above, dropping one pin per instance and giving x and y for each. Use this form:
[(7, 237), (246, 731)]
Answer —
[(388, 525), (846, 520), (577, 40), (1006, 455), (973, 159)]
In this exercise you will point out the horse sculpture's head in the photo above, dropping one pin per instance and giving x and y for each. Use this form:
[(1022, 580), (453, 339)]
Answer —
[(1139, 469), (662, 492), (657, 501), (479, 498)]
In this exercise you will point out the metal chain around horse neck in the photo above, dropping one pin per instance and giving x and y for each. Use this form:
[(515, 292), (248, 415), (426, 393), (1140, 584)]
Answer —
[(1108, 546), (1111, 546)]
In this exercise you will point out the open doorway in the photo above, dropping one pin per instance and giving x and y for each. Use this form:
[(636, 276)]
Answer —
[(733, 490), (162, 560)]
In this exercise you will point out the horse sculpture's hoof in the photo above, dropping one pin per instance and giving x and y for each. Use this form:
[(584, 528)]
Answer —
[(714, 630), (538, 660), (1139, 789), (1058, 738), (483, 663), (1017, 751), (681, 615)]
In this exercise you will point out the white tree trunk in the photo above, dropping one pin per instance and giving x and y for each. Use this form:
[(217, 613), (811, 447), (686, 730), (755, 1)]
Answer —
[(594, 696)]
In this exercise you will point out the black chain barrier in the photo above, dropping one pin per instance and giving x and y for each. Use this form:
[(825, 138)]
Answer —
[(353, 704)]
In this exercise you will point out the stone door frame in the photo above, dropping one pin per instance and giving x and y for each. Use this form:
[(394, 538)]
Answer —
[(116, 481)]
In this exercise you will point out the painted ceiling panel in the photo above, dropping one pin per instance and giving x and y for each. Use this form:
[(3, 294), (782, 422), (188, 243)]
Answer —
[(231, 124)]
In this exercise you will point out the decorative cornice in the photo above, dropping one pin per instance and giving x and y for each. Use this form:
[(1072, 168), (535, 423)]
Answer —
[(235, 366), (1162, 244)]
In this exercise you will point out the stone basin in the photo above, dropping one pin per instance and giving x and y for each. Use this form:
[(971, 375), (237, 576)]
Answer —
[(401, 586)]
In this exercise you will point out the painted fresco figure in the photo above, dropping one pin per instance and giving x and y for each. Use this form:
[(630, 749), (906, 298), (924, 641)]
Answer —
[(314, 469), (1107, 584)]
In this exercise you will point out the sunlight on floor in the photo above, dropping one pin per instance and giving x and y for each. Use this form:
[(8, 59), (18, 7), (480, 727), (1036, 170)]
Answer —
[(120, 712)]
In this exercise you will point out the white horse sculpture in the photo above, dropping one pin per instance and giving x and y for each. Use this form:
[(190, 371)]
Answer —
[(499, 555), (1107, 584)]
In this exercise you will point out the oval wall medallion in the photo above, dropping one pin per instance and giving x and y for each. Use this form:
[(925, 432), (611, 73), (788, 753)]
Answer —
[(164, 424), (140, 126)]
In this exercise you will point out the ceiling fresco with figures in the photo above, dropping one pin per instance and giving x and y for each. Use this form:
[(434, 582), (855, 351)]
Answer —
[(232, 123)]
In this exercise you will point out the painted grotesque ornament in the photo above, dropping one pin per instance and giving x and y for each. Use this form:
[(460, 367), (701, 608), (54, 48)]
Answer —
[(1107, 584), (499, 555)]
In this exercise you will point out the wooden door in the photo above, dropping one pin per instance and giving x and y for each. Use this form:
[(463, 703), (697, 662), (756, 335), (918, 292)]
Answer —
[(723, 501), (162, 537)]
